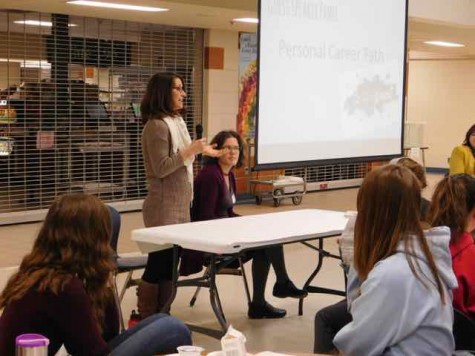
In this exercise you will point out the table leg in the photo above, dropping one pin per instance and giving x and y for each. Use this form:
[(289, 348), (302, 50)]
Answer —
[(214, 296), (208, 280), (313, 289)]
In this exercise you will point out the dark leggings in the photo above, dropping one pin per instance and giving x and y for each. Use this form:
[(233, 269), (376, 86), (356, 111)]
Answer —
[(261, 261), (328, 322), (159, 266)]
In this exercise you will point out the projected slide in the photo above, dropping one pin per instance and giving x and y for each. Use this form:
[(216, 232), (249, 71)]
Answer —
[(331, 80)]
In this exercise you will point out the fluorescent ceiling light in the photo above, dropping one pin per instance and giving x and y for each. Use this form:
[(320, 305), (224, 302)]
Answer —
[(116, 6), (246, 20), (444, 44), (39, 23)]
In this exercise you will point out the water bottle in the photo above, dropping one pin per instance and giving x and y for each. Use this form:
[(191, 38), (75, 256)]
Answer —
[(31, 345), (134, 319)]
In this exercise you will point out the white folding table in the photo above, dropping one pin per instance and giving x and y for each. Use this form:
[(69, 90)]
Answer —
[(232, 236)]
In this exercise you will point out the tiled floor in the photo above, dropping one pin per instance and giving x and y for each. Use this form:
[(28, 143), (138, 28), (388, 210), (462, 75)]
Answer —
[(292, 334)]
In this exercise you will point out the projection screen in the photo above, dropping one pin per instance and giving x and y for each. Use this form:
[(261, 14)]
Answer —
[(331, 81)]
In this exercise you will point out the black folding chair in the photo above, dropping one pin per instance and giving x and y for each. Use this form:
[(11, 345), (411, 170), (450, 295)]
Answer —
[(225, 266), (124, 264)]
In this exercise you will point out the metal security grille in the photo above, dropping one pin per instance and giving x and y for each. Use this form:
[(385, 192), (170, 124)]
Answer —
[(331, 176), (70, 91)]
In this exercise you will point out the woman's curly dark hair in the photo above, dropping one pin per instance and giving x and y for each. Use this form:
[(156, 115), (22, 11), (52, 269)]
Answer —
[(219, 140)]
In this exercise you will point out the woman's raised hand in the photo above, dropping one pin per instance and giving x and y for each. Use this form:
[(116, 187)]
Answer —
[(211, 151), (201, 146), (198, 146)]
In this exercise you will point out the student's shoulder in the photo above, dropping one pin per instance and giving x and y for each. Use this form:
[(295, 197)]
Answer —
[(73, 287), (391, 272), (461, 149)]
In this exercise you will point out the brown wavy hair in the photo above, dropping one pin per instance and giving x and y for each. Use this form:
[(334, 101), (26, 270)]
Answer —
[(157, 100), (388, 205), (415, 168), (74, 241), (219, 140), (452, 202)]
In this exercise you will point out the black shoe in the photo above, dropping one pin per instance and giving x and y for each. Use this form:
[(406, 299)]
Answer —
[(265, 311), (288, 289)]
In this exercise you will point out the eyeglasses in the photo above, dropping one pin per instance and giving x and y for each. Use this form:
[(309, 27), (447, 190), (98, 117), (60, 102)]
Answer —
[(180, 89), (232, 148)]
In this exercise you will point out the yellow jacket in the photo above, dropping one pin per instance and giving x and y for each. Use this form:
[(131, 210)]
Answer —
[(462, 161)]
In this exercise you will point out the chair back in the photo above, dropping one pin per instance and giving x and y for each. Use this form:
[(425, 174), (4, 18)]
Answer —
[(464, 331), (115, 216)]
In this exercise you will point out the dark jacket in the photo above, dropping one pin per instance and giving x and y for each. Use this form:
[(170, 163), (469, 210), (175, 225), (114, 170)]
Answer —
[(210, 197), (210, 193)]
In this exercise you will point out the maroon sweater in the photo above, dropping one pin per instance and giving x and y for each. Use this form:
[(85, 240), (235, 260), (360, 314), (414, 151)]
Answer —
[(212, 199), (66, 318)]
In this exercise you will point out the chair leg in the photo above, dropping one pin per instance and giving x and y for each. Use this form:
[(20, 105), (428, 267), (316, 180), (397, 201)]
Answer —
[(118, 300), (244, 278), (125, 285), (206, 276), (195, 295), (197, 291)]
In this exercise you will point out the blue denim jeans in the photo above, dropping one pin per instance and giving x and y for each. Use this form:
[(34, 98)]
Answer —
[(158, 334)]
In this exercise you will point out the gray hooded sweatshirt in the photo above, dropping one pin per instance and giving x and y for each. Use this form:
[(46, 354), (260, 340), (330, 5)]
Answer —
[(394, 313)]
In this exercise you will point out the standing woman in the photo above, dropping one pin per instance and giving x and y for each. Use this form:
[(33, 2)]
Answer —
[(462, 159), (168, 154), (399, 289)]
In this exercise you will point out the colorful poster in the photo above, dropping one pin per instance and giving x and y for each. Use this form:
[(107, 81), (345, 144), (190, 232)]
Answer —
[(246, 117)]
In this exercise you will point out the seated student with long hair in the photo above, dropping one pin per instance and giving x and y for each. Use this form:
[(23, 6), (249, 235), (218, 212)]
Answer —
[(214, 198), (399, 288), (63, 291), (331, 319), (453, 205)]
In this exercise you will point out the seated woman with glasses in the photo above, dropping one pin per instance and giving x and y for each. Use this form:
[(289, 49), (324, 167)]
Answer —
[(453, 205), (214, 198), (399, 286), (462, 159), (63, 290)]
